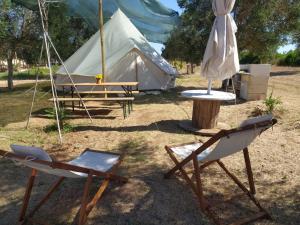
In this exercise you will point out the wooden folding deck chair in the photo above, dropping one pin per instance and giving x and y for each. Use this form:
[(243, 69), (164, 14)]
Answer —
[(90, 164), (226, 142)]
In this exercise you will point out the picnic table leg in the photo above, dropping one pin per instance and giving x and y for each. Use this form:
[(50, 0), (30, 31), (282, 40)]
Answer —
[(128, 105), (72, 94), (124, 109), (131, 95), (64, 94)]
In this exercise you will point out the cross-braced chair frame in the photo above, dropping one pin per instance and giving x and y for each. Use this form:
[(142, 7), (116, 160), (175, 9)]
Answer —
[(197, 171), (86, 206)]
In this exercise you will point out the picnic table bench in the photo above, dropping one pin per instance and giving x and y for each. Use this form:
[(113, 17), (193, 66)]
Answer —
[(126, 101)]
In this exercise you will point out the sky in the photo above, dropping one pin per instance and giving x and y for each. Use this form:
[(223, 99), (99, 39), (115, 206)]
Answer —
[(173, 5)]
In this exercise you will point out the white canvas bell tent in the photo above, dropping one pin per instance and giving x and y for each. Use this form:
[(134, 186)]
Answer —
[(129, 57)]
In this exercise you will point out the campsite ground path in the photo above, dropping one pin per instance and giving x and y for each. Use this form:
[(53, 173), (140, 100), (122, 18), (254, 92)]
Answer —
[(147, 198)]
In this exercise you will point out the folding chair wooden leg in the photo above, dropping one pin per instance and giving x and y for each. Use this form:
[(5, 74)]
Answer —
[(198, 182), (84, 201), (263, 213), (47, 196), (86, 207), (196, 189), (183, 172), (97, 196), (27, 195), (249, 171)]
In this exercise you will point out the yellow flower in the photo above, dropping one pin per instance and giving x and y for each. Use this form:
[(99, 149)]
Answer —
[(99, 76)]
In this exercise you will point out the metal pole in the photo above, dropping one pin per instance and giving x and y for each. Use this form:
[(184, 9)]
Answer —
[(209, 86), (102, 38), (50, 70)]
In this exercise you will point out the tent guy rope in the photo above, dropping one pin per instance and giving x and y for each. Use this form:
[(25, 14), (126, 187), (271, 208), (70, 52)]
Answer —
[(47, 44)]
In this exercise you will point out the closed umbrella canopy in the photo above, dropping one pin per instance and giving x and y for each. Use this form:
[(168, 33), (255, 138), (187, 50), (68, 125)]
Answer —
[(221, 59)]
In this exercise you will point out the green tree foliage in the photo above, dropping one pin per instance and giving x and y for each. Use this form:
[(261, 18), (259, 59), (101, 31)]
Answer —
[(18, 32), (188, 41), (21, 33), (67, 33), (247, 57), (292, 58), (262, 27)]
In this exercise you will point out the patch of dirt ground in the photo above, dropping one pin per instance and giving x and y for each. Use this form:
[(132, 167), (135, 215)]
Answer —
[(148, 198)]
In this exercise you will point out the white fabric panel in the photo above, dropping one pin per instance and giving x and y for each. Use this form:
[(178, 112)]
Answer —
[(257, 119), (120, 38), (50, 170), (95, 160), (233, 143), (221, 59), (149, 76), (92, 160), (30, 152), (185, 150), (227, 145)]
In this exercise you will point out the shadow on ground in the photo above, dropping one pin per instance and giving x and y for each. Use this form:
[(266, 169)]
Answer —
[(168, 126), (147, 198), (284, 73)]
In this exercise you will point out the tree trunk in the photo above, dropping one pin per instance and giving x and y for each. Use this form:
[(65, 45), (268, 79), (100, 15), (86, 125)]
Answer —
[(10, 69), (192, 68), (187, 68)]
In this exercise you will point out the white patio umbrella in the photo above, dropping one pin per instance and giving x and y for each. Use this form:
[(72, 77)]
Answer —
[(221, 59)]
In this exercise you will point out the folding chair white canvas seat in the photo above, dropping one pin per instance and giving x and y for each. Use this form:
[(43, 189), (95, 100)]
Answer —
[(223, 144), (185, 150), (90, 164)]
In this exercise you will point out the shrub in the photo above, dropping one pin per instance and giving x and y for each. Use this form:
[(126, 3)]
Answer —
[(62, 114), (247, 57), (292, 58), (271, 103)]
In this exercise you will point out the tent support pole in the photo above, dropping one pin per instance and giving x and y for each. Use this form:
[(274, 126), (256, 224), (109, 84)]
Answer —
[(102, 38), (54, 93), (136, 70)]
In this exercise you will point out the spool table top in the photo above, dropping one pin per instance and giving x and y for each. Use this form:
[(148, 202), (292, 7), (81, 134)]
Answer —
[(213, 96)]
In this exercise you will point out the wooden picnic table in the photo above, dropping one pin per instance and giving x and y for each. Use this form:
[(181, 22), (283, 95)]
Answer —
[(126, 86), (101, 84)]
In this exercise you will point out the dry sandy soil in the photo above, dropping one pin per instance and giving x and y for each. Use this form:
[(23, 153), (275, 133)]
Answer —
[(3, 83), (148, 198)]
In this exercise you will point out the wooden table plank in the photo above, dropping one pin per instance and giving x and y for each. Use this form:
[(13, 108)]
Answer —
[(101, 84), (94, 99), (106, 92)]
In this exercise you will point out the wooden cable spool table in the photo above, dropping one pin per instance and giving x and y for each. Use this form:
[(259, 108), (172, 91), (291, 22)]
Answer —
[(206, 108)]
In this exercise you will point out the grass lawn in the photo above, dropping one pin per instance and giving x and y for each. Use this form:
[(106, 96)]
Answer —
[(148, 198), (29, 74)]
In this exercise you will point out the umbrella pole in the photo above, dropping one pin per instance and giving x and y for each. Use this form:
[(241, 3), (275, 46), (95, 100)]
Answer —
[(209, 86), (102, 38)]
